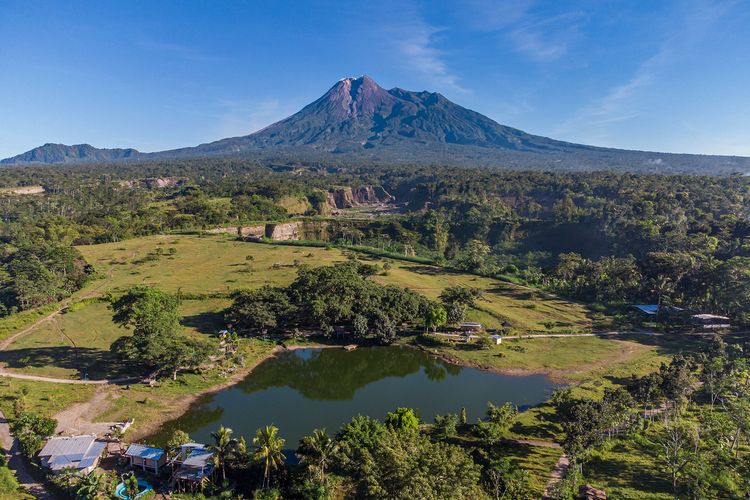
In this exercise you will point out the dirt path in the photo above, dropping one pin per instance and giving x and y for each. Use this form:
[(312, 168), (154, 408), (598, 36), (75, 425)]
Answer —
[(18, 465), (76, 419), (533, 442), (557, 475)]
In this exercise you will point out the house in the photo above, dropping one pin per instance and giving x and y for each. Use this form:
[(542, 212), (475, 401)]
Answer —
[(655, 309), (497, 339), (193, 465), (470, 326), (81, 453), (147, 458), (710, 321)]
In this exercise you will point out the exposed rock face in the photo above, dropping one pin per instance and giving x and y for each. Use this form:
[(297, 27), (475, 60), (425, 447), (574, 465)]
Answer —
[(298, 230), (244, 231), (283, 232), (22, 190), (154, 183), (347, 197)]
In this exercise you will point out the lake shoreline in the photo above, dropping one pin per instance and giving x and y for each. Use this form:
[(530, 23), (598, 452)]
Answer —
[(182, 405)]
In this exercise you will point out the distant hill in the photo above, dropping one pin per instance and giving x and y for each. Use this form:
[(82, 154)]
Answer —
[(359, 120), (78, 153)]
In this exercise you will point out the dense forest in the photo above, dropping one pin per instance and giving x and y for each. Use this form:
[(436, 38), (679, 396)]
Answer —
[(600, 237)]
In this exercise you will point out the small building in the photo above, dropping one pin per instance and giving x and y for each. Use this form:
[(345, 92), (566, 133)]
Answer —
[(81, 453), (470, 326), (146, 458), (497, 339), (193, 466), (710, 321), (655, 309)]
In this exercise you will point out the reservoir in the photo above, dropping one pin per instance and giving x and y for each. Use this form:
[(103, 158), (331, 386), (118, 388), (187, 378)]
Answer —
[(305, 389)]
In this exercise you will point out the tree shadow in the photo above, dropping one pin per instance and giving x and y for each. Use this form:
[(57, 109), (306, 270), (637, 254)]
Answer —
[(86, 361), (206, 322)]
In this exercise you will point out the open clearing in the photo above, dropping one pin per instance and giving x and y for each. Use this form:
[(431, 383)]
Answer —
[(219, 263), (76, 344)]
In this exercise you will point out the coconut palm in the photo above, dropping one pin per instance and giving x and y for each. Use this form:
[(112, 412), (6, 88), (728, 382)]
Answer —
[(268, 451), (316, 450), (223, 448)]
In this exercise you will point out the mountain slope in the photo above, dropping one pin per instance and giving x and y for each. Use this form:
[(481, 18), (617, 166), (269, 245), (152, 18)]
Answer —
[(78, 153), (357, 114), (357, 120)]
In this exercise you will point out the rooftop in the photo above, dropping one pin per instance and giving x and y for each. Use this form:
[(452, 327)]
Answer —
[(144, 452)]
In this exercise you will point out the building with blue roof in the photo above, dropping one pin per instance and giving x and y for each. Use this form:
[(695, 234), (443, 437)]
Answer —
[(147, 458)]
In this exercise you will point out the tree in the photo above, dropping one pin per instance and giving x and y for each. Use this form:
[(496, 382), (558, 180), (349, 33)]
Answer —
[(679, 443), (502, 415), (31, 429), (403, 419), (268, 451), (253, 311), (405, 465), (177, 439), (156, 343), (476, 255), (316, 450), (445, 426), (436, 317), (223, 448), (360, 326)]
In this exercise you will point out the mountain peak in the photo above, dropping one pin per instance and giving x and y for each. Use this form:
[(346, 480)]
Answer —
[(354, 97)]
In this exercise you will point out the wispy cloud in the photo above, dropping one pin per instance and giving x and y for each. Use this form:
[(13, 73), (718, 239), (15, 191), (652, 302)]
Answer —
[(237, 117), (546, 38), (620, 103), (539, 36), (415, 42), (177, 50)]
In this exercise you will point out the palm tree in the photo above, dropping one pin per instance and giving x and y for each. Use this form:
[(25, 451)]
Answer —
[(316, 450), (89, 486), (223, 447), (268, 451)]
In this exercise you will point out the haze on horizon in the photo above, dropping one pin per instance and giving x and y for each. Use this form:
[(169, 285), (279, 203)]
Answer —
[(670, 78)]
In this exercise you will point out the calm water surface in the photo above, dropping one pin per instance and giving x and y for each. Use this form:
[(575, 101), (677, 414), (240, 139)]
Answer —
[(305, 389)]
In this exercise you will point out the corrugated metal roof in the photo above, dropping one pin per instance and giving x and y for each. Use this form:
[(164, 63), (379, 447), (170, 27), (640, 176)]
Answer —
[(198, 458), (144, 452), (79, 452), (76, 445)]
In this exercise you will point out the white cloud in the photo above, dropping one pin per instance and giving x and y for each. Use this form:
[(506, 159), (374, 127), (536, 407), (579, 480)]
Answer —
[(415, 43), (238, 118), (177, 50), (545, 39), (592, 123)]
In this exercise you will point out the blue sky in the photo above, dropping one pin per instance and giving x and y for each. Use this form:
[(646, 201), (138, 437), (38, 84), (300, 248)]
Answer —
[(654, 75)]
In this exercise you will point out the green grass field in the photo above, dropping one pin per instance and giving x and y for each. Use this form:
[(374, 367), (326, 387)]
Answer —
[(76, 344), (219, 263)]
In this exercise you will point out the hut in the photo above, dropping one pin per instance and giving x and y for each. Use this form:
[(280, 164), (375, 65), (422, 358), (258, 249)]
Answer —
[(711, 321), (497, 339), (470, 327), (193, 466), (81, 453), (146, 458)]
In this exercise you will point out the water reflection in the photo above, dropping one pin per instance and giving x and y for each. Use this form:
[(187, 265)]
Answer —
[(302, 390), (336, 374)]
